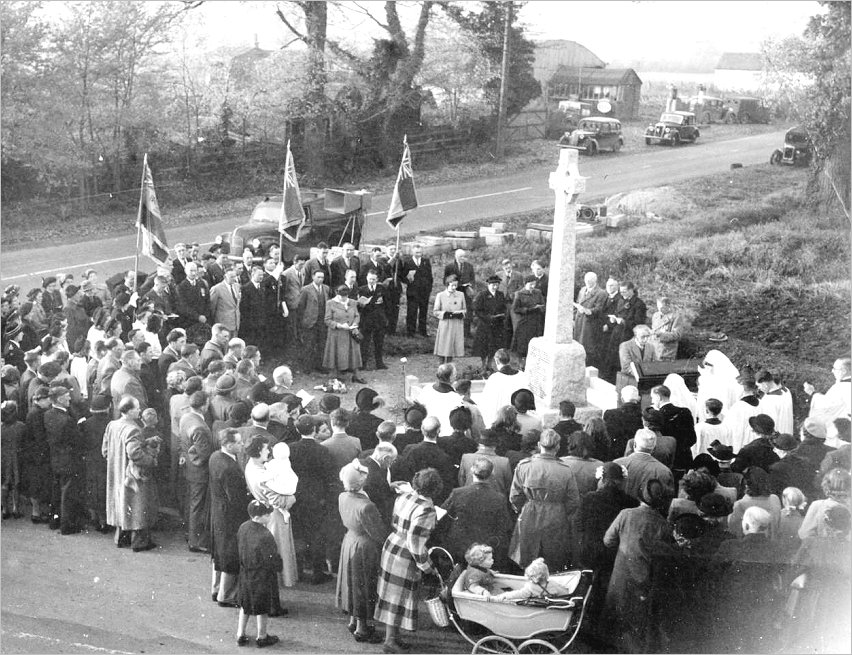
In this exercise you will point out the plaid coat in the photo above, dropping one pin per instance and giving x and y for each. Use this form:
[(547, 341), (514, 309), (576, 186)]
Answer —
[(404, 555)]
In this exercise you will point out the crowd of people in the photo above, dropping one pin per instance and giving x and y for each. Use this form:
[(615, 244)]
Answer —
[(123, 397)]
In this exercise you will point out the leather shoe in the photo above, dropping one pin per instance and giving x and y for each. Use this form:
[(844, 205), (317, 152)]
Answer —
[(242, 640), (193, 549), (213, 598), (268, 640), (357, 380), (149, 546), (223, 604), (371, 637)]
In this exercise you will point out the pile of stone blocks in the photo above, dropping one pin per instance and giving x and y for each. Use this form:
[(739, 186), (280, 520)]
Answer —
[(496, 235)]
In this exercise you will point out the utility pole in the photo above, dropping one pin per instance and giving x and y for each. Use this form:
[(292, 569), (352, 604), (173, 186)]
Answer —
[(504, 83)]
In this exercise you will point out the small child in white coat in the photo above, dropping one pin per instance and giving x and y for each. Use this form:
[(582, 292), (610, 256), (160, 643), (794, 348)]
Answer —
[(283, 479)]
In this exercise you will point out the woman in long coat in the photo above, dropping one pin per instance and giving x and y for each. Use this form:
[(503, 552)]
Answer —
[(405, 557), (358, 571), (529, 306), (639, 534), (489, 312), (342, 352), (449, 309), (258, 452)]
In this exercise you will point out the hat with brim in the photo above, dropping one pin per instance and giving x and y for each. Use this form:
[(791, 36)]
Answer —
[(762, 424), (226, 384), (720, 451), (49, 370), (14, 330), (493, 279), (365, 399), (328, 403), (9, 373), (100, 403), (58, 391), (786, 442)]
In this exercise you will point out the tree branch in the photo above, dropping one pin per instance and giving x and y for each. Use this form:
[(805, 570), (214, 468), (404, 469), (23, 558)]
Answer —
[(366, 12), (284, 20)]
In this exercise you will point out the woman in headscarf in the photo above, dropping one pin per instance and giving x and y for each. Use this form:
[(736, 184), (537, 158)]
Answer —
[(405, 557), (258, 453), (639, 535), (450, 309), (717, 379), (358, 570), (681, 396)]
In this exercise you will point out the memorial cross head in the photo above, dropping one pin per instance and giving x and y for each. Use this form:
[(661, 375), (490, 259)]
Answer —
[(566, 177)]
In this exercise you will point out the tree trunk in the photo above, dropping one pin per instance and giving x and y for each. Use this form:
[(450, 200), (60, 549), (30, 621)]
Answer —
[(316, 23)]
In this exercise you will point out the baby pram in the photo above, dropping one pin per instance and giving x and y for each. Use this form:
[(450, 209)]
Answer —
[(534, 625)]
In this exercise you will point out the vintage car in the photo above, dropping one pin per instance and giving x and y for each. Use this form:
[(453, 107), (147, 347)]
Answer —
[(330, 215), (673, 128), (745, 109), (708, 109), (595, 134), (797, 151)]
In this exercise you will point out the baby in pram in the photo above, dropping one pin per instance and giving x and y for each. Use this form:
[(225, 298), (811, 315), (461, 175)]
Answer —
[(480, 578)]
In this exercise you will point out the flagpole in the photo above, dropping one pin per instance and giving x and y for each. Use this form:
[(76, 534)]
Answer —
[(139, 224)]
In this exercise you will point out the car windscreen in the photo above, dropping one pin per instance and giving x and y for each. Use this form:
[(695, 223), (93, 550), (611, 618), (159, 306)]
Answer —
[(672, 118)]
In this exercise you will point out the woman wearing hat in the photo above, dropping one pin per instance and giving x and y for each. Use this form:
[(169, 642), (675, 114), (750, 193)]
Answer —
[(639, 534), (528, 304), (358, 571), (524, 403), (450, 309), (364, 423), (342, 351), (33, 314), (489, 312)]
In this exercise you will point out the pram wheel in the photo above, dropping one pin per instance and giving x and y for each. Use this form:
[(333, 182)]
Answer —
[(537, 646), (495, 644)]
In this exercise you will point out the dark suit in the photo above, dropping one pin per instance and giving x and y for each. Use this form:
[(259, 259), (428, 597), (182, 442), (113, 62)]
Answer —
[(621, 425), (373, 322), (609, 347), (565, 428), (759, 452), (162, 301), (792, 471), (680, 424), (417, 293), (467, 285), (178, 272), (228, 501), (312, 328), (394, 285), (196, 446), (315, 497), (193, 301), (274, 320), (383, 271), (67, 449), (253, 315), (427, 454), (634, 312), (339, 266), (478, 513), (213, 274), (378, 489), (313, 265)]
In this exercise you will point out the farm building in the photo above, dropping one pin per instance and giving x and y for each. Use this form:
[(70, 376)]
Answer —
[(739, 71), (568, 70), (620, 86)]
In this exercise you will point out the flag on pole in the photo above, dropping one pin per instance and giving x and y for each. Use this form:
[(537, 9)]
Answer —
[(404, 196), (149, 221), (292, 213)]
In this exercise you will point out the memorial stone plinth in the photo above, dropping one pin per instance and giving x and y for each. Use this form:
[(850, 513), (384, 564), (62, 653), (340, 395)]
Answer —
[(556, 363)]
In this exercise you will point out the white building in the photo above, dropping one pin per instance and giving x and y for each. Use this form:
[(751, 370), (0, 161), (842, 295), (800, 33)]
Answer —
[(739, 71)]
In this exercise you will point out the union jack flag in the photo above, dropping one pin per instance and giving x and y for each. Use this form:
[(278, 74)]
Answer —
[(149, 221), (292, 213), (404, 195)]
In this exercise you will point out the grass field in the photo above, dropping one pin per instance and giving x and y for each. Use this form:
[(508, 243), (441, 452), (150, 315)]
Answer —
[(745, 256)]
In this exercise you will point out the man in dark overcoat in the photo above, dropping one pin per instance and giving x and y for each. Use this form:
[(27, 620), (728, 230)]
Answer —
[(489, 319), (193, 298), (253, 310), (228, 500), (417, 277), (67, 449), (372, 298), (312, 328)]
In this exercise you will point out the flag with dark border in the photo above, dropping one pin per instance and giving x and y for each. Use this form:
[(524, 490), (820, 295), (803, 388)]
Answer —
[(292, 213), (149, 221), (404, 195)]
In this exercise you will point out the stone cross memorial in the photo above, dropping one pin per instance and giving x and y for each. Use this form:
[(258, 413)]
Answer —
[(556, 364)]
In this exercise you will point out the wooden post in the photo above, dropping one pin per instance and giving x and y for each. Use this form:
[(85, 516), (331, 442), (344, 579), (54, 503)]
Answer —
[(504, 83), (139, 223)]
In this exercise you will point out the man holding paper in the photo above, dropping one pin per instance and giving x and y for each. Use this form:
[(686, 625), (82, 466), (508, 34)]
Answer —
[(588, 319), (489, 317), (372, 298)]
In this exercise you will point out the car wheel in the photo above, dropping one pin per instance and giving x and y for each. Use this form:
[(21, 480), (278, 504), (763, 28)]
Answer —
[(775, 157), (745, 118), (695, 138), (647, 141), (592, 148), (731, 118), (675, 140), (705, 117), (617, 145)]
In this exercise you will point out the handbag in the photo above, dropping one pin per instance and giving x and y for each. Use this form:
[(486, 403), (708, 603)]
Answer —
[(356, 335)]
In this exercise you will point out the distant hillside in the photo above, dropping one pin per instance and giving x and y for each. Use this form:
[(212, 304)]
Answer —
[(700, 59)]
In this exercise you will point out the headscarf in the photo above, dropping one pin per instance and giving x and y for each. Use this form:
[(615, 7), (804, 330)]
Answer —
[(718, 381), (681, 395)]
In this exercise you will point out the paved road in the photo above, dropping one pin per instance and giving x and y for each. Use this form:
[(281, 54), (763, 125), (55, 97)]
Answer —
[(81, 594), (441, 207)]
